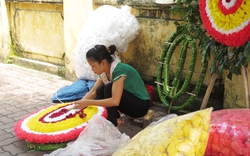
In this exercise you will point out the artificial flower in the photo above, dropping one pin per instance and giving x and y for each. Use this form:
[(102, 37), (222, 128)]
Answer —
[(56, 124), (227, 21), (229, 133)]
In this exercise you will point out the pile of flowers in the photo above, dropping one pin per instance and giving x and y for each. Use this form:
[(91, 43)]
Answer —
[(184, 135), (227, 21), (56, 123), (229, 133)]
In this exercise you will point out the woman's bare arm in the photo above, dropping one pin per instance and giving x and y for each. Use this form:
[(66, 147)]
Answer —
[(117, 90), (92, 93)]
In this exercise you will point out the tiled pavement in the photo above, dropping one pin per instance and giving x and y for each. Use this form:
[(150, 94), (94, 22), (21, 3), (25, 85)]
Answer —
[(23, 91)]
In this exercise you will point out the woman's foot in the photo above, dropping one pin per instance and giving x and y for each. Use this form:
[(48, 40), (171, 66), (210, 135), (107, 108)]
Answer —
[(119, 121)]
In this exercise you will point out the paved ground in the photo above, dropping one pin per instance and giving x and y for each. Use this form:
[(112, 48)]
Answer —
[(23, 91)]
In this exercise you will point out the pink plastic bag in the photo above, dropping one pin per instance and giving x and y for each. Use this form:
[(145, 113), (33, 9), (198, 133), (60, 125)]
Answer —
[(229, 133)]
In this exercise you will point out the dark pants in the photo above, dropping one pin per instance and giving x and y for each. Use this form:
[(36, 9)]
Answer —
[(129, 104)]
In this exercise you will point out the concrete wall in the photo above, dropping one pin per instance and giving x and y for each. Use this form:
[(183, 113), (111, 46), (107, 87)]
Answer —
[(37, 30), (234, 94), (4, 33), (75, 15), (47, 30)]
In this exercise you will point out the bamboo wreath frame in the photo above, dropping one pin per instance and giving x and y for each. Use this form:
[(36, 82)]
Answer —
[(174, 90)]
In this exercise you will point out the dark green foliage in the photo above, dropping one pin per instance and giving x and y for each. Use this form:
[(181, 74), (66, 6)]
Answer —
[(229, 58), (190, 32)]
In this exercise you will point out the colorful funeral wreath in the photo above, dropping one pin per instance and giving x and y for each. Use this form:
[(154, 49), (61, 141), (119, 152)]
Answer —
[(55, 125), (227, 21)]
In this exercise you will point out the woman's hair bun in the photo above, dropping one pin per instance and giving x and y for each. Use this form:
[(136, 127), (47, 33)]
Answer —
[(112, 49)]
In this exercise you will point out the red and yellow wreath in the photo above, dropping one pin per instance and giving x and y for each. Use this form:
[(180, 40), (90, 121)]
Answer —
[(56, 123), (227, 21)]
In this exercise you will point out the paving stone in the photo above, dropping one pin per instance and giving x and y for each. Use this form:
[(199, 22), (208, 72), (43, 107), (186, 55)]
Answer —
[(33, 153), (16, 114), (10, 131), (5, 112), (5, 136), (14, 103), (19, 118), (8, 141), (6, 154), (12, 149), (2, 132), (1, 151), (6, 120)]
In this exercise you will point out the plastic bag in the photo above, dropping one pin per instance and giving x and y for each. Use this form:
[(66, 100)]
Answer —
[(167, 117), (182, 135), (99, 138), (73, 92), (229, 133)]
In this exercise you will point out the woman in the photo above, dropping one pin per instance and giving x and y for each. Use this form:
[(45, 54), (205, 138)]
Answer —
[(119, 87)]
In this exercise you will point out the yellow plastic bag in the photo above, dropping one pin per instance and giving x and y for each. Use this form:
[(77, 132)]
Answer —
[(182, 135)]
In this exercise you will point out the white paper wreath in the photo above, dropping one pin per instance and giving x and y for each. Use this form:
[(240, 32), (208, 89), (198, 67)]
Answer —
[(106, 25)]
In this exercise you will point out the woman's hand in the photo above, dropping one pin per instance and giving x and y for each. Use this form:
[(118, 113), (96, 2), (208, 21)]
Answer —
[(80, 104)]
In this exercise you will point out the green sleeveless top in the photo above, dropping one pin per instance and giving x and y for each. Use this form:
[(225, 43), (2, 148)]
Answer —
[(133, 82)]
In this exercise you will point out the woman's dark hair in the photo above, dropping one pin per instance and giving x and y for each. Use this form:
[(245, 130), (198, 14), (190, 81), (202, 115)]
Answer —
[(101, 52)]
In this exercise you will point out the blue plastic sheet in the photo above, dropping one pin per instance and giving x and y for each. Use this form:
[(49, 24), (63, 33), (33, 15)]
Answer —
[(73, 92)]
